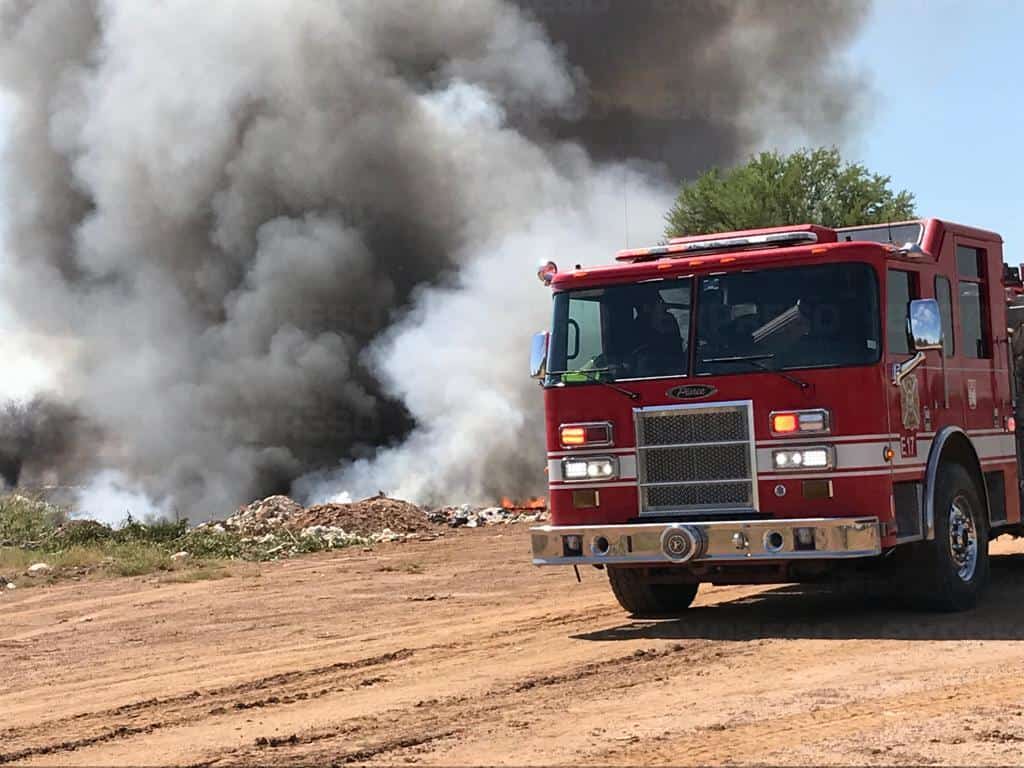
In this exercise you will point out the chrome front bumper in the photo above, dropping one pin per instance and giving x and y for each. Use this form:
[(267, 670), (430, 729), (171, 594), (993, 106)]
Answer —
[(717, 541)]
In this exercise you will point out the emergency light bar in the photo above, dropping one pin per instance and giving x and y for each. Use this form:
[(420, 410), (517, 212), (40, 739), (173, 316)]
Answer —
[(685, 246)]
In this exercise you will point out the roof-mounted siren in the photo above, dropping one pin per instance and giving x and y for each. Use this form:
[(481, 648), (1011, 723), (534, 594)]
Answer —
[(782, 237)]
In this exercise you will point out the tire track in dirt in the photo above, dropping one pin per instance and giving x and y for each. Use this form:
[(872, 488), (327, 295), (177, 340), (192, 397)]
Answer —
[(387, 732), (153, 714), (174, 710), (761, 740), (518, 665)]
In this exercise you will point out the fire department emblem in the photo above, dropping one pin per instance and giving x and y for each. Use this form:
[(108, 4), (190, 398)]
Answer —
[(910, 403), (691, 392)]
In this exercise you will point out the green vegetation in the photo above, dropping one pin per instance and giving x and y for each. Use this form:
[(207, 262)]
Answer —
[(27, 520), (33, 531), (773, 190)]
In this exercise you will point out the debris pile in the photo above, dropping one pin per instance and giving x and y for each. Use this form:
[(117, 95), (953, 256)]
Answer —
[(279, 526), (473, 517), (267, 529), (378, 518), (365, 517), (260, 517)]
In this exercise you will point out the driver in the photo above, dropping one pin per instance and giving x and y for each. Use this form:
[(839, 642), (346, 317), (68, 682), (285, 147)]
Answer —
[(658, 342)]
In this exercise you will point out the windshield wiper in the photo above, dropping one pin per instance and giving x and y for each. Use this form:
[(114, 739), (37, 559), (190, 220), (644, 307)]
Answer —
[(597, 378), (758, 362)]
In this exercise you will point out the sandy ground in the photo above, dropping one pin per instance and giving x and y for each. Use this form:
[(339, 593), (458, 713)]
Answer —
[(458, 651)]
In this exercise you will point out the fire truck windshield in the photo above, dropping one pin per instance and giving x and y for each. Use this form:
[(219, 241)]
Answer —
[(625, 331), (819, 316), (791, 317)]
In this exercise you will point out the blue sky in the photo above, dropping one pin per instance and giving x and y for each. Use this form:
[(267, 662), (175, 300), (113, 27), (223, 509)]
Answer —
[(947, 117)]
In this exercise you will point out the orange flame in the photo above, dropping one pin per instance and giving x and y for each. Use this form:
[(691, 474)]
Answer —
[(537, 502)]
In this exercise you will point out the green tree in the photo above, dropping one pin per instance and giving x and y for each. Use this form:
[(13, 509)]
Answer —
[(773, 190)]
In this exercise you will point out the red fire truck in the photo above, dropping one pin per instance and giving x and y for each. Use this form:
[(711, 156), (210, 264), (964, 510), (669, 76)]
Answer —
[(783, 405)]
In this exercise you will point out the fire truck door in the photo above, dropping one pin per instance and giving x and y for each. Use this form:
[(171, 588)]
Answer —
[(982, 409), (907, 398)]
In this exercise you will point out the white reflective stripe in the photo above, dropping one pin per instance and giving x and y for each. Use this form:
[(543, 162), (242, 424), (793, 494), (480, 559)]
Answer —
[(588, 486), (989, 446), (591, 452), (868, 456), (627, 468), (824, 475), (804, 437), (856, 455)]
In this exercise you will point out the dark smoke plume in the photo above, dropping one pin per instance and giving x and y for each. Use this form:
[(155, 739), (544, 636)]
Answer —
[(291, 236), (41, 434), (691, 84)]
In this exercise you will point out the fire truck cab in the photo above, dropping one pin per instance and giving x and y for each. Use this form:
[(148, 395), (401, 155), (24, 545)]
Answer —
[(784, 405)]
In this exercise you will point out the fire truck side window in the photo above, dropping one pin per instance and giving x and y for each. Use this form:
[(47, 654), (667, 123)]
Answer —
[(899, 292), (970, 265), (944, 295), (584, 329)]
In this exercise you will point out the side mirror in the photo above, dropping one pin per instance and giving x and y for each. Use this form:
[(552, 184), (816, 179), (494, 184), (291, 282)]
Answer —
[(539, 355), (925, 324), (914, 250)]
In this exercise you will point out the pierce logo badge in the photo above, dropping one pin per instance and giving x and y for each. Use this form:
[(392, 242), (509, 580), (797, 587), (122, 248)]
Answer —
[(691, 392)]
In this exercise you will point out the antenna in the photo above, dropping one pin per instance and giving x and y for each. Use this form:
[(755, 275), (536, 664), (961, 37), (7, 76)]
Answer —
[(625, 207)]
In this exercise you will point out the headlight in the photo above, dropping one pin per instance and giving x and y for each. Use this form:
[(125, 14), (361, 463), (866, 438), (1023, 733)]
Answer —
[(818, 457), (602, 468)]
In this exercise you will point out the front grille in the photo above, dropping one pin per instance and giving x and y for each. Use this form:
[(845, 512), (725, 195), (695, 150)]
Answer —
[(695, 458)]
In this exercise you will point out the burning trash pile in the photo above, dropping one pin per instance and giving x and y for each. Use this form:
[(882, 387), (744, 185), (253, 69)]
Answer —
[(273, 528), (279, 526), (268, 529), (508, 511)]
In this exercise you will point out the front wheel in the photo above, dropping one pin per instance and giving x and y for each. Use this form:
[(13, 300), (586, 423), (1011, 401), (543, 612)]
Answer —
[(643, 598), (954, 566)]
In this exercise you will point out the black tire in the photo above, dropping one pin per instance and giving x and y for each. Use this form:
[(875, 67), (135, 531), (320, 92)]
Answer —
[(644, 599), (947, 577)]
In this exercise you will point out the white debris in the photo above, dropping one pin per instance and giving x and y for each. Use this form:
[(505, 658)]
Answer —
[(466, 515), (180, 557), (39, 569)]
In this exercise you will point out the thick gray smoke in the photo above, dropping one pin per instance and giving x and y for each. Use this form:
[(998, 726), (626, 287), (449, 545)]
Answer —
[(286, 237)]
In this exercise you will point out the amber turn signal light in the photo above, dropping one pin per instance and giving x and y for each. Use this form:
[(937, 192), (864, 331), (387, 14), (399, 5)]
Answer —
[(810, 421), (783, 423), (589, 434), (573, 436)]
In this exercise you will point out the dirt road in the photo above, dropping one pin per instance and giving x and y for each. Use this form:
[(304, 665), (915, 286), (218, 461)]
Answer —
[(458, 652)]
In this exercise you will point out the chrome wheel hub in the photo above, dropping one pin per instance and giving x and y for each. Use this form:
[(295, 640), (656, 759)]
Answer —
[(963, 538)]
